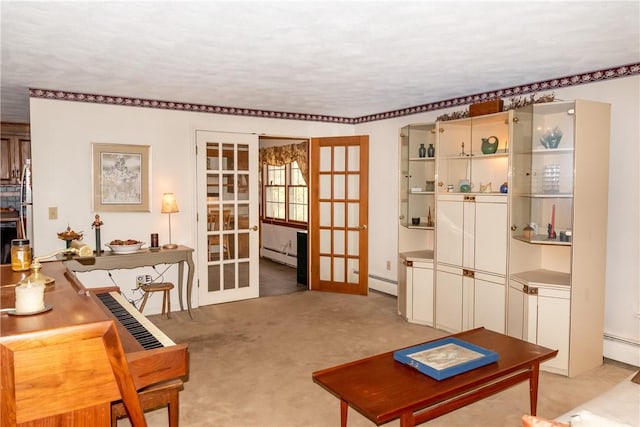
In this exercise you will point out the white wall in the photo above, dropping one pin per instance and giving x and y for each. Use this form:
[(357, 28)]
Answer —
[(62, 133), (61, 137)]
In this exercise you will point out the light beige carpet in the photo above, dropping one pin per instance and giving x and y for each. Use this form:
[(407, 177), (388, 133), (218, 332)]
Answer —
[(251, 364)]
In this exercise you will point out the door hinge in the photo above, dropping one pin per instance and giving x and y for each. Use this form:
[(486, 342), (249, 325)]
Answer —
[(469, 198), (468, 273), (529, 290)]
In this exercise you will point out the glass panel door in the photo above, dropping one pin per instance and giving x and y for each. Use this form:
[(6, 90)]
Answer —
[(228, 203), (339, 236)]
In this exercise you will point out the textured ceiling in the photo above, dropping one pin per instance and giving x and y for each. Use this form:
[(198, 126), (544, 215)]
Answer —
[(346, 59)]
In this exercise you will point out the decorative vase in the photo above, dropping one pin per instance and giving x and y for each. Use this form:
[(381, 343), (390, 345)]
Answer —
[(431, 151), (504, 188), (489, 147), (422, 151)]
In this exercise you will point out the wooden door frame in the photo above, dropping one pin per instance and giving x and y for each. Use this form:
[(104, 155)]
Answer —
[(361, 141)]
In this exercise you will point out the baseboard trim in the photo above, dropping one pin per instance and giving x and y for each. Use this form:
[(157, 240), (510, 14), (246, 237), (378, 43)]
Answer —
[(622, 350), (283, 258), (382, 284)]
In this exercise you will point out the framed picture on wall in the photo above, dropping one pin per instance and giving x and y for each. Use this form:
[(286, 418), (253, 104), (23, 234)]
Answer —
[(120, 177)]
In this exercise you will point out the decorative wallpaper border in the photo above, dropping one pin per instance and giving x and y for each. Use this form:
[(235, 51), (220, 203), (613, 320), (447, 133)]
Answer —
[(590, 77)]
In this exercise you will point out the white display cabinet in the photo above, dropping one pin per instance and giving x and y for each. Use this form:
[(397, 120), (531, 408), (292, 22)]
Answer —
[(559, 203), (417, 176), (416, 222), (474, 152), (472, 216)]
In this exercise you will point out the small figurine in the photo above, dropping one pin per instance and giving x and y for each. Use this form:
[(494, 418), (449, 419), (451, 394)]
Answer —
[(96, 225)]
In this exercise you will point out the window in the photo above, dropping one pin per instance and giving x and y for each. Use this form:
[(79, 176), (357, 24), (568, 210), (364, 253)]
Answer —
[(285, 193)]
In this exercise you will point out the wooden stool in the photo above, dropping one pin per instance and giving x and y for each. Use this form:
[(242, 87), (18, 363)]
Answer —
[(154, 397), (164, 287)]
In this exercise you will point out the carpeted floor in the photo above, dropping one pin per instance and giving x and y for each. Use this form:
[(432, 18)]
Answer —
[(251, 364), (278, 279)]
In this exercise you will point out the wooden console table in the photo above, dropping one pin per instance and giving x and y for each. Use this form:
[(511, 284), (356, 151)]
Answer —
[(142, 258), (383, 389)]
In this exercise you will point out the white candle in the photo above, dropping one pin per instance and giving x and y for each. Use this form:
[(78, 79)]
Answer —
[(29, 297)]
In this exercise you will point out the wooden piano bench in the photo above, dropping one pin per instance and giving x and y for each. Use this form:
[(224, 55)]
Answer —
[(154, 397), (165, 288)]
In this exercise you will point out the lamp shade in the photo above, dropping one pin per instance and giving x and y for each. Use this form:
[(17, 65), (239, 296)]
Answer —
[(169, 204)]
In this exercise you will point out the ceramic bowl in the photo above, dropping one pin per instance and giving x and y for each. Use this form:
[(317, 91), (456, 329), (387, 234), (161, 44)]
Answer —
[(125, 249)]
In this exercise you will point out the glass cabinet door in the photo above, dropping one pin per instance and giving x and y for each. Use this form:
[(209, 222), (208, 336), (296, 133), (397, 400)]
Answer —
[(417, 187), (543, 173), (474, 153)]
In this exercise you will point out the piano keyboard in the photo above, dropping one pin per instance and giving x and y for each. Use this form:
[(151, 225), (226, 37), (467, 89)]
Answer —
[(146, 333)]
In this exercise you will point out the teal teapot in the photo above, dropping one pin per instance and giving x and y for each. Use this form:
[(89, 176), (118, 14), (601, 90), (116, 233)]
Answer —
[(489, 147)]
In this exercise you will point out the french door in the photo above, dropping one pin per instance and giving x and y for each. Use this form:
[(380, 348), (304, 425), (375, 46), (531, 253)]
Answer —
[(339, 238), (227, 181)]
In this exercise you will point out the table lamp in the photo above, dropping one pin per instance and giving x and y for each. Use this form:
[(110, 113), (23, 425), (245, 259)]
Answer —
[(169, 206)]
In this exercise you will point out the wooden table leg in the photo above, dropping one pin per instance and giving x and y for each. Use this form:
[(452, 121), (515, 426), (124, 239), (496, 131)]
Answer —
[(533, 387), (407, 419), (344, 407)]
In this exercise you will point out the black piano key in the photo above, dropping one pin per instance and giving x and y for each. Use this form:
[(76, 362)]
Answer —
[(137, 330)]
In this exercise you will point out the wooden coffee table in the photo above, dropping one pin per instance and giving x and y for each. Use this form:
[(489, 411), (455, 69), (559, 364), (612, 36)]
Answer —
[(383, 389)]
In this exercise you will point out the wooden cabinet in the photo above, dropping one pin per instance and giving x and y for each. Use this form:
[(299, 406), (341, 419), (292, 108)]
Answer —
[(559, 229), (415, 299), (15, 148)]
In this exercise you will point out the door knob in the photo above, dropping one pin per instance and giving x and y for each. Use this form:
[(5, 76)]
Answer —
[(363, 227), (254, 228)]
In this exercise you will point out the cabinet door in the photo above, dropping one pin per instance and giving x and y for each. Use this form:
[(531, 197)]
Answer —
[(553, 330), (516, 312), (449, 231), (449, 301), (5, 159), (402, 286), (490, 236), (469, 232), (422, 300), (489, 302)]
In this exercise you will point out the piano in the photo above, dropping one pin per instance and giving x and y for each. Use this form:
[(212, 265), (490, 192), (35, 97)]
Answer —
[(152, 356)]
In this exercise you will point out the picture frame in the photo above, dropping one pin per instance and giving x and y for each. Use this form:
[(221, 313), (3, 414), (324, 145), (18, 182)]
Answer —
[(445, 357), (120, 174)]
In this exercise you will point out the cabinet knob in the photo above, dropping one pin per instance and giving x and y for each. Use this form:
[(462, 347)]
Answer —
[(514, 227), (516, 120)]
